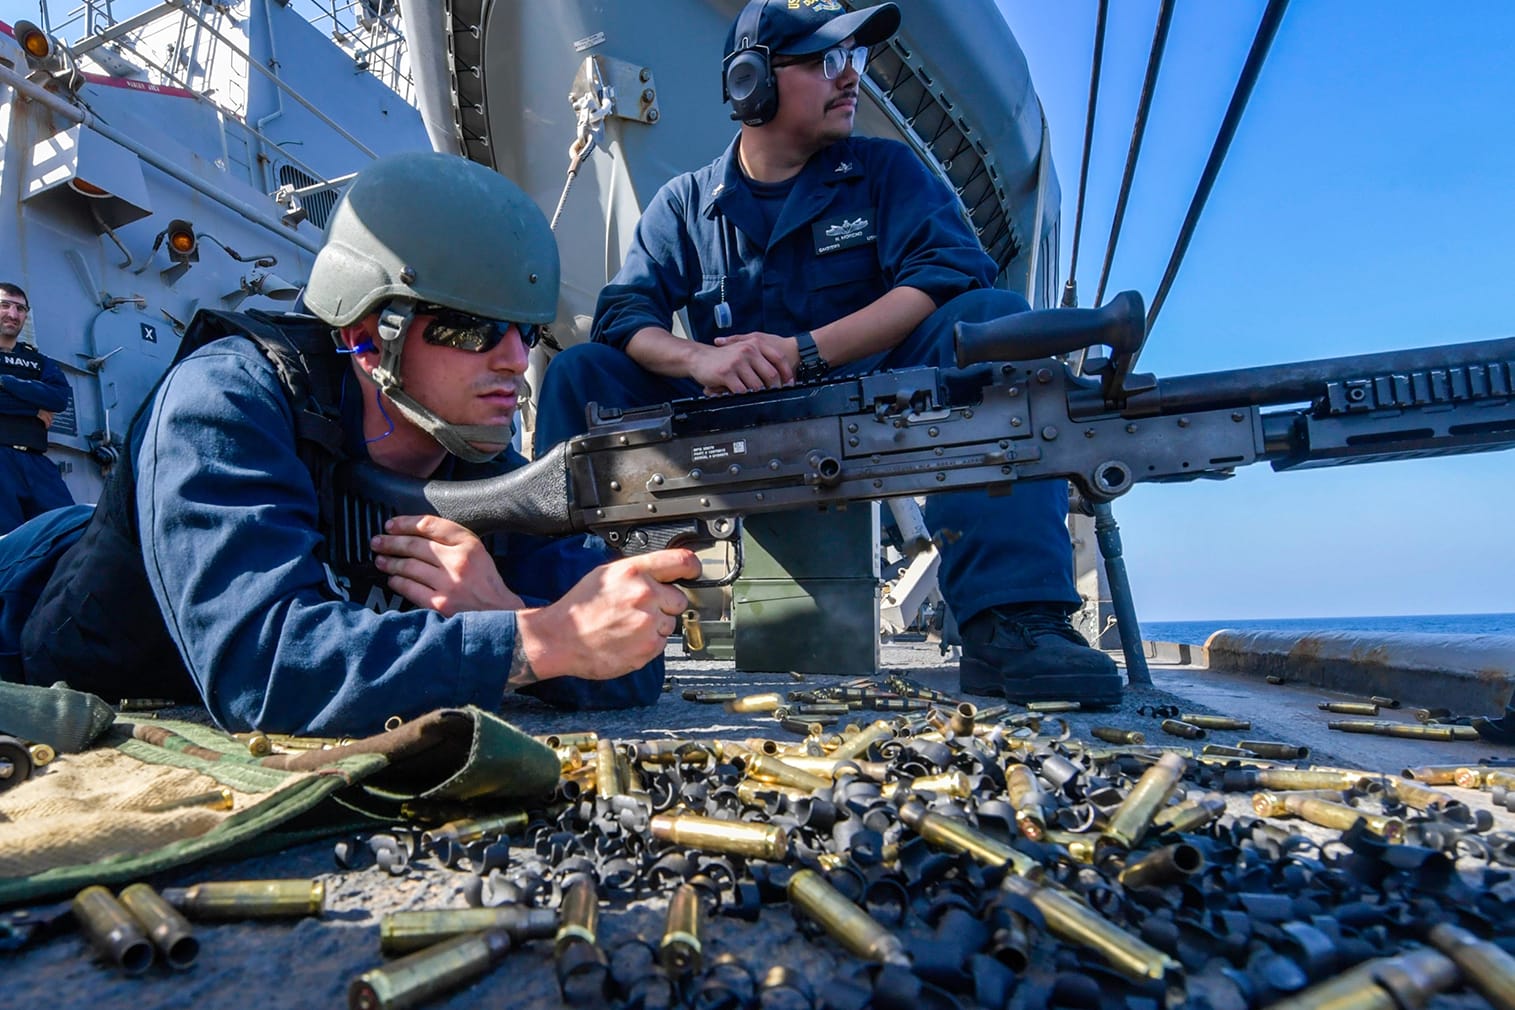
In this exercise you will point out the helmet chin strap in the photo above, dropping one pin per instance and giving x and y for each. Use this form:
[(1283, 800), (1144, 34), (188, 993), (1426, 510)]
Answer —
[(394, 323)]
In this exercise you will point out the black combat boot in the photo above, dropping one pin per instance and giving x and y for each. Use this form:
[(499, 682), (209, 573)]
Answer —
[(1029, 652)]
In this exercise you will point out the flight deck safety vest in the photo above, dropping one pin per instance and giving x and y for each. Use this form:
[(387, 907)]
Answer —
[(97, 624)]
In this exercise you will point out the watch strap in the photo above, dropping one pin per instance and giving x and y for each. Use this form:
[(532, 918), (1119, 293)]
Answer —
[(812, 365)]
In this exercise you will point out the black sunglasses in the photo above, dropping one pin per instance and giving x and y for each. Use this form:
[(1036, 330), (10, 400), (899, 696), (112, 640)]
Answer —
[(464, 331)]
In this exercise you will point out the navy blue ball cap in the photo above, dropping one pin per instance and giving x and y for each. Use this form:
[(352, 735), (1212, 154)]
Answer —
[(806, 27)]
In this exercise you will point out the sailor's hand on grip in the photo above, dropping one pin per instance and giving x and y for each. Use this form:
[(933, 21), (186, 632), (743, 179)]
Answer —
[(617, 618), (1120, 324)]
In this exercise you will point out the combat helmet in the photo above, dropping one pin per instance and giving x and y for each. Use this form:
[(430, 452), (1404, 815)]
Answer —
[(424, 228)]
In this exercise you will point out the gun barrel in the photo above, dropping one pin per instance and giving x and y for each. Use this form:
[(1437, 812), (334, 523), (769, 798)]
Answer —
[(1303, 381)]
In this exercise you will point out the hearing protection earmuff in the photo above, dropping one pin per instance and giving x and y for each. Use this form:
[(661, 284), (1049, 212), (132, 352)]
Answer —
[(747, 80)]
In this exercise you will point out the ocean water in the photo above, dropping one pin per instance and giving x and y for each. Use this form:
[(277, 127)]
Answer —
[(1196, 632)]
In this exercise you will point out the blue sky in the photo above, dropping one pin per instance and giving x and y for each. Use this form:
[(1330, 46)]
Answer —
[(1368, 203)]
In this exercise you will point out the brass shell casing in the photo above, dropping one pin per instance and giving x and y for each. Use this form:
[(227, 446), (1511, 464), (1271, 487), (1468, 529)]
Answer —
[(1071, 920), (772, 769), (1214, 721), (1276, 750), (843, 921), (737, 838), (960, 836), (1386, 983), (1485, 966), (1189, 815), (418, 977), (1165, 865), (168, 930), (249, 899), (1110, 734), (1349, 707), (609, 777), (584, 741), (1134, 816), (578, 916), (112, 930), (755, 703), (407, 931), (681, 949), (1178, 728), (472, 829)]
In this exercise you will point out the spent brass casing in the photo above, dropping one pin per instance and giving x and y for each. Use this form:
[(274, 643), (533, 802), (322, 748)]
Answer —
[(585, 741), (112, 930), (843, 921), (1341, 817), (472, 829), (755, 703), (748, 791), (771, 769), (1162, 866), (694, 634), (609, 776), (1221, 750), (579, 915), (1276, 750), (1134, 816), (249, 899), (709, 697), (1381, 727), (857, 745), (169, 931), (962, 722), (404, 932), (1053, 707), (1072, 921), (1349, 707), (1386, 983), (1485, 966), (680, 950), (823, 709), (1271, 804), (1188, 731), (41, 754), (144, 704), (1433, 775), (953, 783), (418, 977), (737, 838), (570, 759), (1291, 779), (1418, 796), (1213, 721), (1081, 848), (215, 799), (1189, 815), (960, 836), (257, 744), (1384, 702), (1028, 799), (1110, 734)]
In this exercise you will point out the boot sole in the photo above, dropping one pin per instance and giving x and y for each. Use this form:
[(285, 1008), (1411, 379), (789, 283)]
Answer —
[(1092, 690)]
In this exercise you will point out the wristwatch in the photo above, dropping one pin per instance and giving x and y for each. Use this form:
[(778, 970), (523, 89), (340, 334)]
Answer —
[(812, 365)]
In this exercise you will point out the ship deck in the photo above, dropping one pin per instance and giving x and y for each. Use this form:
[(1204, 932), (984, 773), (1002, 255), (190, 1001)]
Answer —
[(311, 962)]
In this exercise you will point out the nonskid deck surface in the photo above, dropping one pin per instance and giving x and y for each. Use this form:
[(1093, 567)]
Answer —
[(311, 962)]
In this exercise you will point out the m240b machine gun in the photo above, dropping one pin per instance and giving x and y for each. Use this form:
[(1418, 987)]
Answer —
[(684, 473)]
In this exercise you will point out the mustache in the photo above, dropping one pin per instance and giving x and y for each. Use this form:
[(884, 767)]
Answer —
[(849, 95)]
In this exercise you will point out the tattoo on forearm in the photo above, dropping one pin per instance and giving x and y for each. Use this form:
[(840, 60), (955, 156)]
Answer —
[(521, 672)]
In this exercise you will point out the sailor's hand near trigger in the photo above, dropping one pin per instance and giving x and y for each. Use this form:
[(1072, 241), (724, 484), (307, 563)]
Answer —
[(437, 564), (617, 618)]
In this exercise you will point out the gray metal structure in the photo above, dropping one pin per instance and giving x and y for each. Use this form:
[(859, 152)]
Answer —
[(230, 119)]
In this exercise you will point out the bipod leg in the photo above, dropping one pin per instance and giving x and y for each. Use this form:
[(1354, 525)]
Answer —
[(1107, 534)]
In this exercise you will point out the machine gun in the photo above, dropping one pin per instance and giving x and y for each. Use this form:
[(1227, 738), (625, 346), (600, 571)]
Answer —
[(684, 473)]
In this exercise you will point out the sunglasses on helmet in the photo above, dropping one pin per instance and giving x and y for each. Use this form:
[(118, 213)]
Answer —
[(464, 331)]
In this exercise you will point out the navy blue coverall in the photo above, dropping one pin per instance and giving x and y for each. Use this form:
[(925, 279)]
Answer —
[(864, 216), (29, 482)]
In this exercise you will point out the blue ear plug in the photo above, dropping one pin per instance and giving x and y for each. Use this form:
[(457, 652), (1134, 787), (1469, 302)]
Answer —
[(362, 348)]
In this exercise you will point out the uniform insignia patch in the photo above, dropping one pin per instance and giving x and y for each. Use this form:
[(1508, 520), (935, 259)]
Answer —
[(838, 233)]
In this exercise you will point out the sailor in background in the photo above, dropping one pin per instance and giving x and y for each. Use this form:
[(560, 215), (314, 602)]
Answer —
[(804, 253), (32, 389)]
